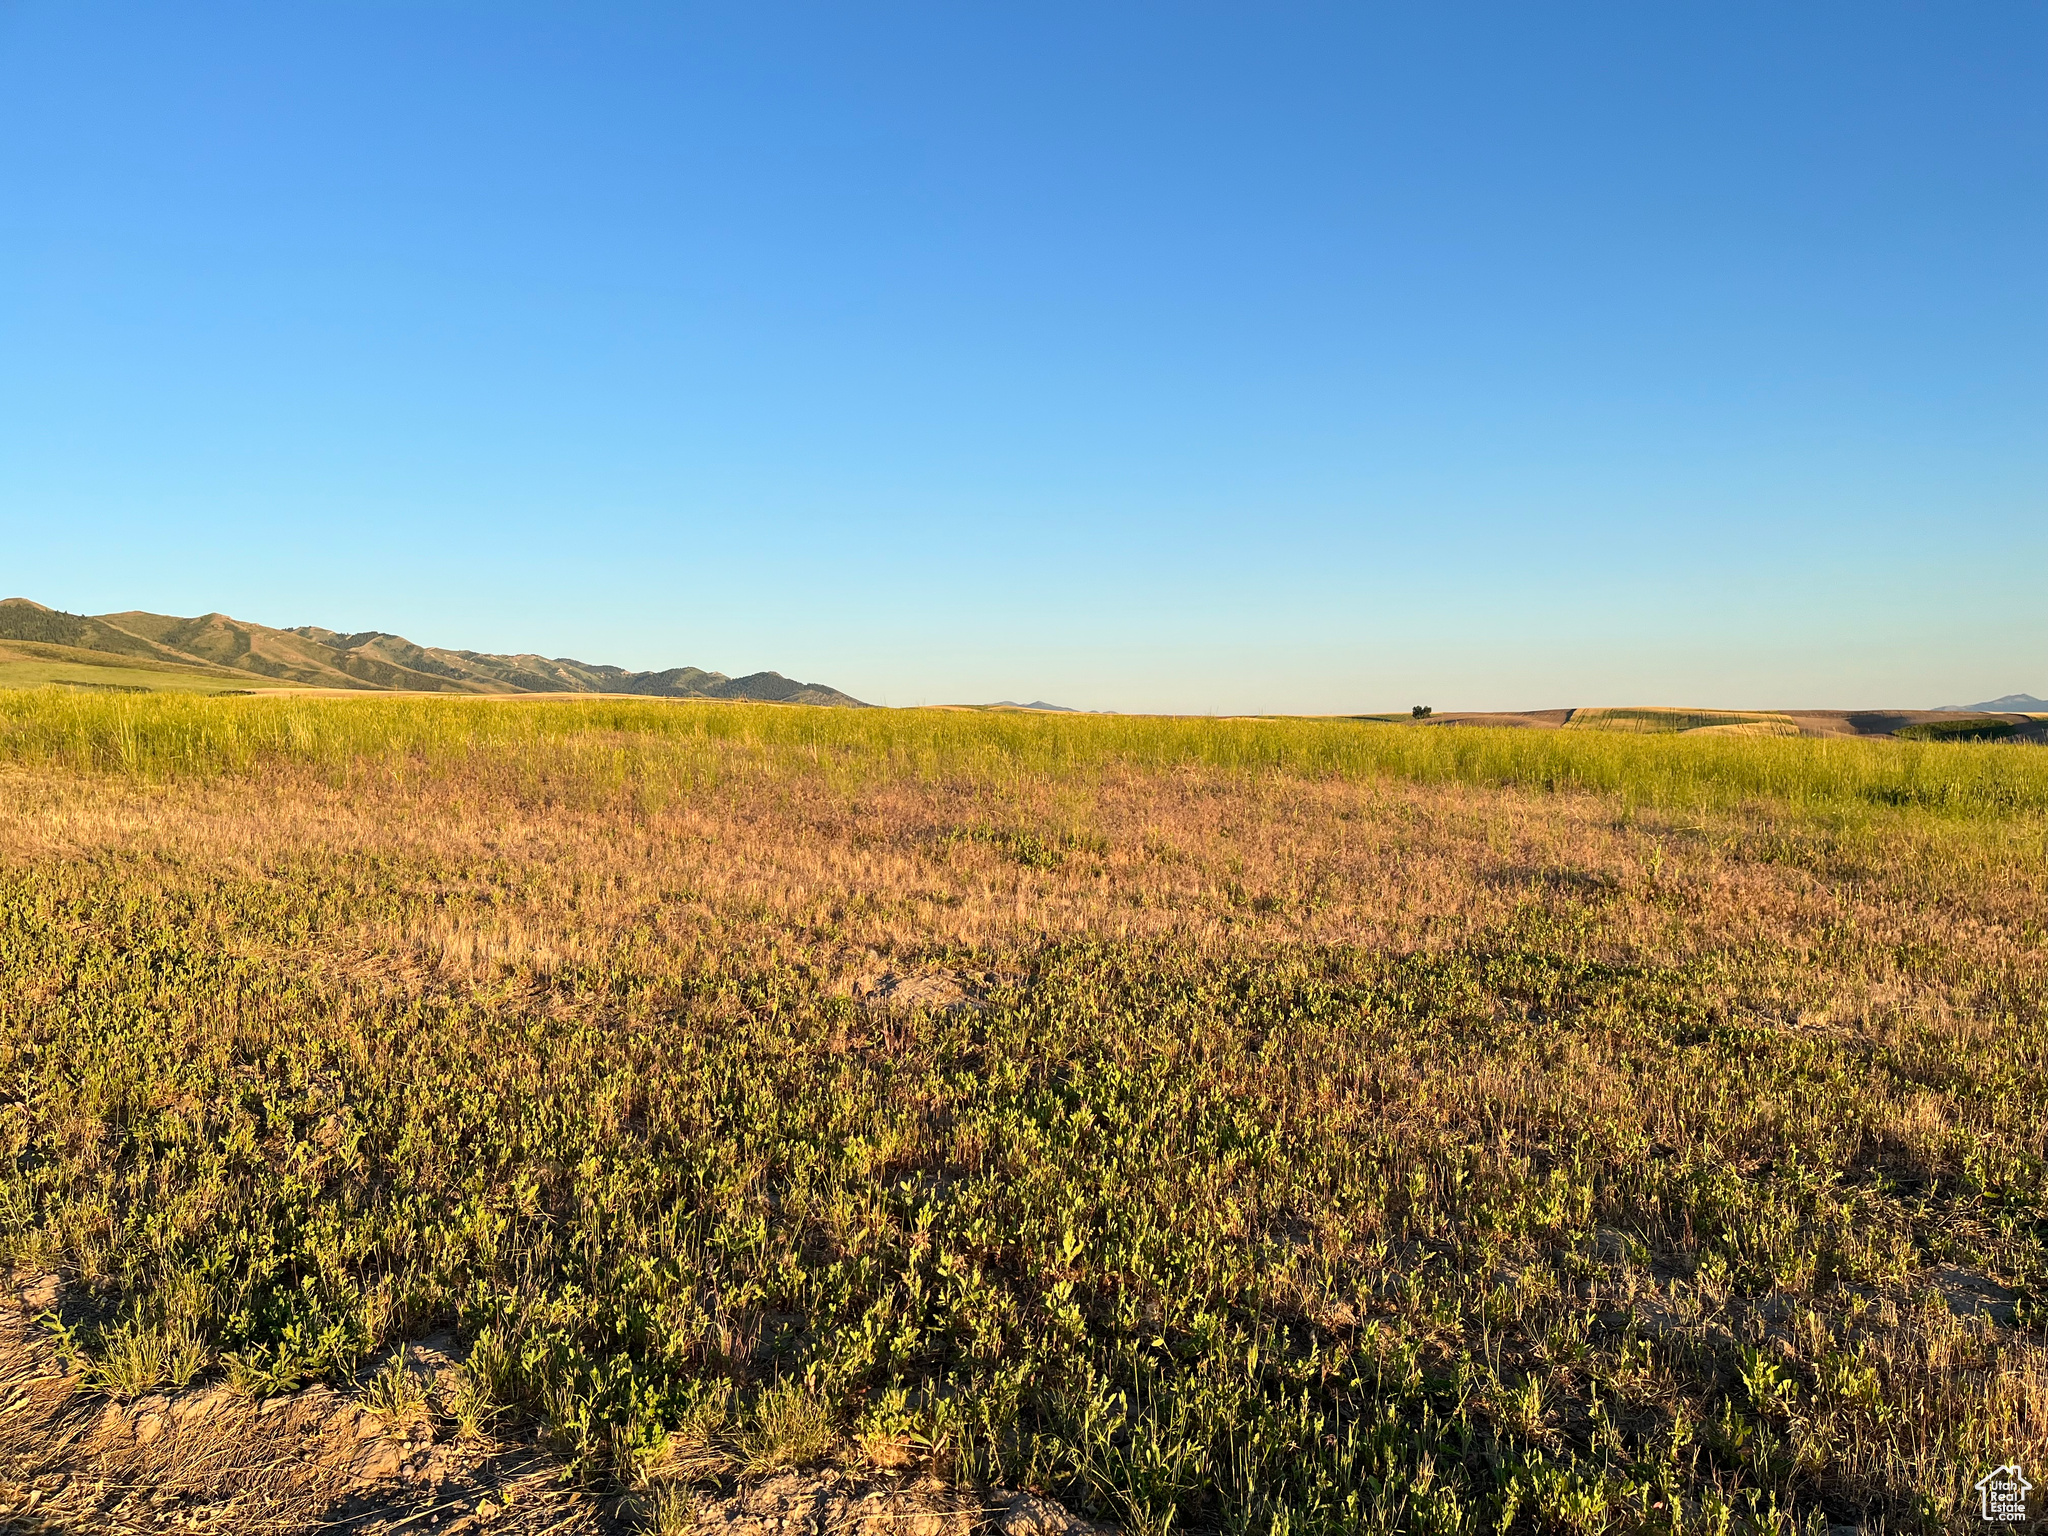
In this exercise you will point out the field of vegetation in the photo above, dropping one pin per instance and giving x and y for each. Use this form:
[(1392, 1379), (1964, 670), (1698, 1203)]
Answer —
[(1347, 1126), (20, 672), (1656, 722)]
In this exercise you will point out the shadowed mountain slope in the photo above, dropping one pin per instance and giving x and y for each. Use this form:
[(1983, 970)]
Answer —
[(234, 651)]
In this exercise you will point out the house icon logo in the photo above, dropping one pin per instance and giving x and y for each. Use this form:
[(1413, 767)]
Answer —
[(2002, 1495)]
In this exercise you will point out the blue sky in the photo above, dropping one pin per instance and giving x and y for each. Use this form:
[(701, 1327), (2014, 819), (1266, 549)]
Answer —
[(1179, 357)]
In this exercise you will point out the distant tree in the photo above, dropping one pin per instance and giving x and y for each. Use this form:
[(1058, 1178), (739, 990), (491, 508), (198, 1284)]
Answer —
[(1421, 711)]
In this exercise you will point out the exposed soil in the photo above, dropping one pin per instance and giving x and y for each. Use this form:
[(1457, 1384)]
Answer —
[(75, 1461), (846, 1506), (941, 991)]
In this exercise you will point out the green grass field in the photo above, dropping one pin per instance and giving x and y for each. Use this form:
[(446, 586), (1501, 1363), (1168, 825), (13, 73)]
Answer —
[(1959, 730), (113, 679), (656, 743), (1361, 1127), (1659, 722)]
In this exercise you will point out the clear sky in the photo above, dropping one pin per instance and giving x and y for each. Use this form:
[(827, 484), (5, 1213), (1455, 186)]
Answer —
[(1145, 356)]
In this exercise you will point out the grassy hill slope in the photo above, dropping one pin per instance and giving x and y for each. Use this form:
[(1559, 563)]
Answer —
[(32, 663)]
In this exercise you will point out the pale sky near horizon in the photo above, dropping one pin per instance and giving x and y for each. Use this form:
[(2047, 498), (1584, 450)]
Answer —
[(1181, 357)]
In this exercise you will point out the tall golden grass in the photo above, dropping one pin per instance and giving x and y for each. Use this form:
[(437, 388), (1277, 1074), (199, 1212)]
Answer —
[(179, 738)]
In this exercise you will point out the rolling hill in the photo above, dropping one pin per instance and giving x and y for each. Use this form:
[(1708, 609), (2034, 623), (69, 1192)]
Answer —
[(214, 652), (1662, 720), (2021, 703)]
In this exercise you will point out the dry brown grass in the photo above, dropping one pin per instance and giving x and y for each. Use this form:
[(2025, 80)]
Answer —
[(906, 867), (1907, 941)]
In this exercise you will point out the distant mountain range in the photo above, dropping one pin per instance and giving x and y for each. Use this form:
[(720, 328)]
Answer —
[(232, 652), (2012, 704)]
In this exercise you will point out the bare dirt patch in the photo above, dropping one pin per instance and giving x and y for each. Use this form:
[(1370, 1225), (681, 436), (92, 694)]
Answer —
[(941, 991), (76, 1462), (73, 1460), (847, 1506)]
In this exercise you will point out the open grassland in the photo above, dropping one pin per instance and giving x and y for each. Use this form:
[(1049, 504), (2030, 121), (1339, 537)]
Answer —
[(654, 749), (36, 672), (1360, 1127), (1658, 722)]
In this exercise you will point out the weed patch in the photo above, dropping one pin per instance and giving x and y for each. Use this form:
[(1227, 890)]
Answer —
[(1362, 1153)]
